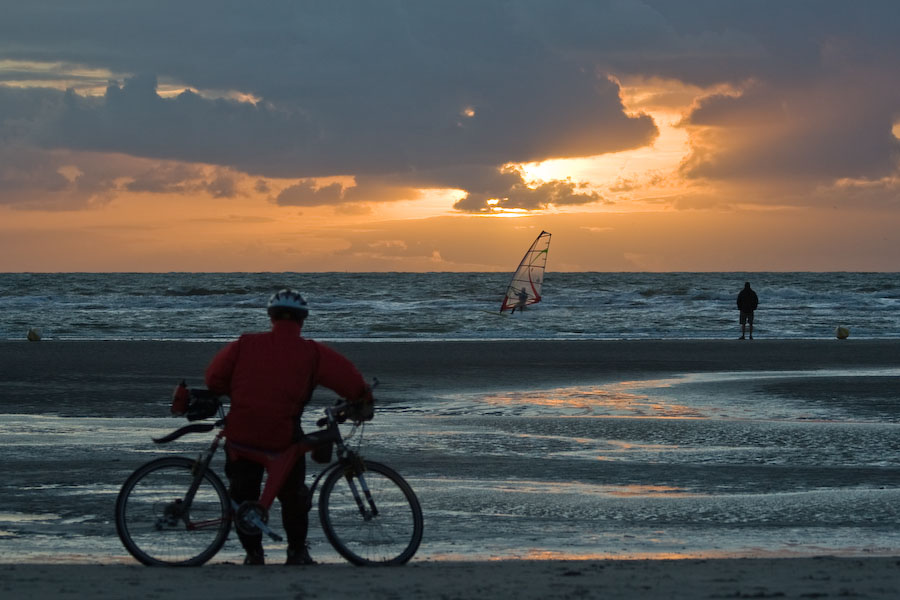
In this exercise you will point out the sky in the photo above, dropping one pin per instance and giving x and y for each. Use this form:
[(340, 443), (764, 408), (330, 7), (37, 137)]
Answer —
[(412, 135)]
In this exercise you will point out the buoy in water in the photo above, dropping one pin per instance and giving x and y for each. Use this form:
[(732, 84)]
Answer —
[(842, 333), (34, 335)]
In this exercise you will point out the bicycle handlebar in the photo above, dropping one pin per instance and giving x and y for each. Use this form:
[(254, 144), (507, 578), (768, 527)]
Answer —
[(192, 428), (339, 412), (336, 412)]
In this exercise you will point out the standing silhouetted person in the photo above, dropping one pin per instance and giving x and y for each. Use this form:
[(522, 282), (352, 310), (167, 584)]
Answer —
[(747, 301)]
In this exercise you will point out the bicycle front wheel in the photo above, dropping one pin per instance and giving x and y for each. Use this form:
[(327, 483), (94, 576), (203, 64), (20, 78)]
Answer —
[(156, 523), (381, 527)]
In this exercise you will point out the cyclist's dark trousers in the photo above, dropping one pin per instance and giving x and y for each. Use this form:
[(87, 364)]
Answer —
[(245, 477)]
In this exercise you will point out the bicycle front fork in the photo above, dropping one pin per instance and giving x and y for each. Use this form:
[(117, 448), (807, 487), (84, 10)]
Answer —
[(354, 472)]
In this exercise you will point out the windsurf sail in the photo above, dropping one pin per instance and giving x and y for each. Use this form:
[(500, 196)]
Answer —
[(525, 286)]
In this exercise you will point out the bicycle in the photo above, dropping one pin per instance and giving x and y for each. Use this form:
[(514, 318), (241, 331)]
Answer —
[(176, 510)]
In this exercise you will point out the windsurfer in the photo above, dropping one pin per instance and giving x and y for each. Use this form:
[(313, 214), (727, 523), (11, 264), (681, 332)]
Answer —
[(525, 286), (522, 295)]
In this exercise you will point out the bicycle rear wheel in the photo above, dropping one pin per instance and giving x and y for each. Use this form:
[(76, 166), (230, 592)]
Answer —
[(385, 529), (157, 527)]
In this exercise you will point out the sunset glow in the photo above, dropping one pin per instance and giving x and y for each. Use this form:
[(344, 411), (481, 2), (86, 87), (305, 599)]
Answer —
[(697, 156)]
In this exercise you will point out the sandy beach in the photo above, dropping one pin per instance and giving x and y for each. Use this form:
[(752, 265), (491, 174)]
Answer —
[(824, 577), (134, 379)]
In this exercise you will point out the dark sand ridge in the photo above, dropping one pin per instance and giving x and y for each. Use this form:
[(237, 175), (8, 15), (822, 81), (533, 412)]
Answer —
[(873, 578), (144, 370)]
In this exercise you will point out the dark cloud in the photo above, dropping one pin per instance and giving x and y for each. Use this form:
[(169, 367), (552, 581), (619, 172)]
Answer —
[(514, 124), (261, 186), (306, 193), (394, 88), (486, 190), (812, 132), (817, 81), (710, 41), (174, 178), (35, 179), (411, 92), (25, 113), (165, 178), (24, 170), (222, 186), (516, 194), (134, 119)]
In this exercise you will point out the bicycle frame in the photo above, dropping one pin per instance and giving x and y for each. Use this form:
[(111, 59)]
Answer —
[(277, 466), (175, 510)]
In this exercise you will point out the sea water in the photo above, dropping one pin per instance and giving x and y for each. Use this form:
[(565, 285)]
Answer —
[(447, 306)]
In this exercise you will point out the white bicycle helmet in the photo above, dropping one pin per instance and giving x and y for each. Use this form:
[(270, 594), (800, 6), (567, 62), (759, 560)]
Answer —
[(290, 301)]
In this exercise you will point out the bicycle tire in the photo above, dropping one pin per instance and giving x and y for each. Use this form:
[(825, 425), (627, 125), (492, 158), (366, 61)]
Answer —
[(152, 533), (390, 538)]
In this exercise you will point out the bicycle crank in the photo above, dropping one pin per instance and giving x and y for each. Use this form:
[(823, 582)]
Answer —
[(252, 518)]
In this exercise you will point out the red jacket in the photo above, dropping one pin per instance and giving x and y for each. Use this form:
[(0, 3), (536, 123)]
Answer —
[(270, 378)]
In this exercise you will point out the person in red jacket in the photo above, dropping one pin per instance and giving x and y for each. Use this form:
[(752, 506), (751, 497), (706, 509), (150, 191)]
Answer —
[(270, 377)]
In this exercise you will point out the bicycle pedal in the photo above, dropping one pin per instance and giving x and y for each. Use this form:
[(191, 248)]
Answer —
[(264, 528)]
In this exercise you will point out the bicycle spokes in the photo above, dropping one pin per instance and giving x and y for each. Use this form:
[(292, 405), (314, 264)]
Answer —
[(371, 516), (159, 526)]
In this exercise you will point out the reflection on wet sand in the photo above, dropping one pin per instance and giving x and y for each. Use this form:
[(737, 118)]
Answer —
[(620, 399), (539, 554), (716, 464), (757, 395), (649, 490)]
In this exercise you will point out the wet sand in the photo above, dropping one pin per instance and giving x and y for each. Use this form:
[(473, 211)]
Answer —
[(871, 578), (136, 378)]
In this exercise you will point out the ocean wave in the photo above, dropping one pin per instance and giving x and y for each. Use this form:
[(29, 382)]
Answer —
[(448, 305), (206, 292)]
